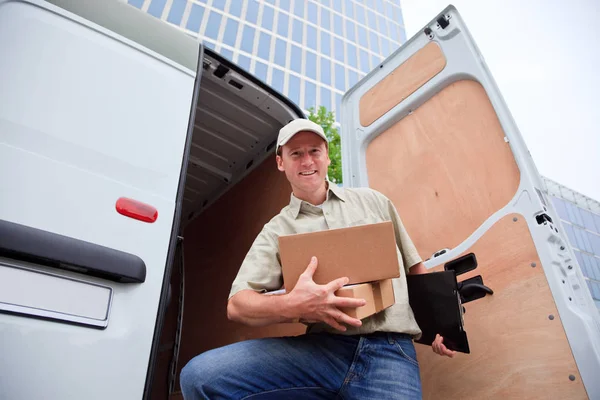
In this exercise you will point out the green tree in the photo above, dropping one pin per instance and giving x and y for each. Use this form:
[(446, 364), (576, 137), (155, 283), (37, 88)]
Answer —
[(326, 119)]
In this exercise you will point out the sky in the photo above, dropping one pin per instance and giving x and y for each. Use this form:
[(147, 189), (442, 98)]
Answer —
[(545, 58)]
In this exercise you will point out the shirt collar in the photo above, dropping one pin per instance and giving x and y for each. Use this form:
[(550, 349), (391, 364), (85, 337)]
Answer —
[(296, 203)]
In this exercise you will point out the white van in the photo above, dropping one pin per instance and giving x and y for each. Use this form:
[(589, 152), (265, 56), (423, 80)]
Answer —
[(120, 134)]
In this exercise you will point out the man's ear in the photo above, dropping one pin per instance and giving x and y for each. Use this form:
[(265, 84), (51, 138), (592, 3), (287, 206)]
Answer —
[(279, 163)]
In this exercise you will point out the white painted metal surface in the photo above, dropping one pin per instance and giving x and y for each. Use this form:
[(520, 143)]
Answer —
[(85, 118)]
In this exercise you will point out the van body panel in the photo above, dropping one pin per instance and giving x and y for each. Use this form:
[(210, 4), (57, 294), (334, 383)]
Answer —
[(86, 117), (441, 144)]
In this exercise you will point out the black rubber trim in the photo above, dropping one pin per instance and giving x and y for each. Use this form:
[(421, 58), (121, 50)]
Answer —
[(162, 307), (24, 243)]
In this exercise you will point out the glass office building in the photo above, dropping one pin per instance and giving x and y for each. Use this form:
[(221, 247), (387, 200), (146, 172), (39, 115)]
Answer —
[(310, 50), (580, 218)]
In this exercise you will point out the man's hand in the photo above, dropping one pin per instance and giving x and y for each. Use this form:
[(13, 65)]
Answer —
[(318, 303), (439, 347)]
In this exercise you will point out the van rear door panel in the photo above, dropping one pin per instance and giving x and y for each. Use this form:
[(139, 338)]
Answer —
[(429, 129), (86, 118)]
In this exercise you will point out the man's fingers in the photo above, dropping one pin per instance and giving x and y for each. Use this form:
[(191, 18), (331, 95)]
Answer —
[(334, 324), (348, 302), (312, 267), (336, 284), (345, 318)]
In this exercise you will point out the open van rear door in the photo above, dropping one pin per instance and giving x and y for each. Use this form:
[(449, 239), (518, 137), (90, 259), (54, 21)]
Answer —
[(93, 138), (429, 129)]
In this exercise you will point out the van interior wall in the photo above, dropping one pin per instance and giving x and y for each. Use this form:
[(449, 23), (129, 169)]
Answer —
[(215, 244)]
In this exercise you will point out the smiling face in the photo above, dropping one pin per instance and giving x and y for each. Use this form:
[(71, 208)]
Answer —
[(304, 159)]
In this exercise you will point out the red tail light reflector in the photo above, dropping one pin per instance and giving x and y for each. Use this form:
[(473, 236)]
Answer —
[(136, 210)]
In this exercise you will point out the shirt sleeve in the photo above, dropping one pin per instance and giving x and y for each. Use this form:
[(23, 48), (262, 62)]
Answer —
[(261, 269), (410, 255)]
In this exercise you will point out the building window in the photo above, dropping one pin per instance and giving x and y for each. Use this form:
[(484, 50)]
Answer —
[(296, 59), (588, 220), (325, 98), (252, 11), (337, 25), (340, 77), (385, 47), (264, 45), (247, 39), (374, 42), (351, 55), (156, 8), (382, 26), (294, 89), (325, 19), (136, 3), (299, 8), (311, 65), (325, 43), (337, 5), (311, 37), (375, 60), (260, 70), (394, 33), (312, 12), (176, 13), (297, 29), (228, 54), (282, 24), (244, 62), (352, 78), (236, 8), (371, 19), (277, 79), (325, 71), (362, 37), (338, 46), (230, 34), (214, 23), (267, 18), (310, 95), (380, 6), (219, 4), (350, 35), (349, 9), (360, 14), (364, 62), (280, 52), (195, 18)]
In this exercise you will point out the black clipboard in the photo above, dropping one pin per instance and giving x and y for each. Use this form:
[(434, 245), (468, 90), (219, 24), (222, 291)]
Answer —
[(435, 301)]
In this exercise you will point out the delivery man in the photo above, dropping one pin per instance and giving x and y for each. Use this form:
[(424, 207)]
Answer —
[(339, 355)]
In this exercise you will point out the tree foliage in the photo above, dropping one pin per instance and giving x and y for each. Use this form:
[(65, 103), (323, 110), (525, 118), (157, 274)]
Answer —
[(326, 119)]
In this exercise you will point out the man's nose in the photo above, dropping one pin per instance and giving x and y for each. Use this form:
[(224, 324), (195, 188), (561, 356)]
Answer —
[(307, 159)]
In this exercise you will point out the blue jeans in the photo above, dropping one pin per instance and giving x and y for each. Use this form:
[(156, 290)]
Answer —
[(312, 366)]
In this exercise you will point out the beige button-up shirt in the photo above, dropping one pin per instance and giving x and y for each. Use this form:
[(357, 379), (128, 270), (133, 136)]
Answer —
[(343, 207)]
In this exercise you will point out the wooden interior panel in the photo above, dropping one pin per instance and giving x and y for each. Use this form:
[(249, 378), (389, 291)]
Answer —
[(446, 167), (517, 352), (215, 246), (401, 83)]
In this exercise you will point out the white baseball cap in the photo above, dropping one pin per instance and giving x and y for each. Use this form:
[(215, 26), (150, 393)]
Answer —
[(296, 126)]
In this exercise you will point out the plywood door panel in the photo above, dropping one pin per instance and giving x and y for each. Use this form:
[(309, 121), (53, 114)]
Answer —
[(517, 351), (446, 167), (401, 83)]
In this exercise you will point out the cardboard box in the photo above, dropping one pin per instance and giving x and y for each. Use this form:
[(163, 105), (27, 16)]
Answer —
[(364, 253), (379, 296)]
